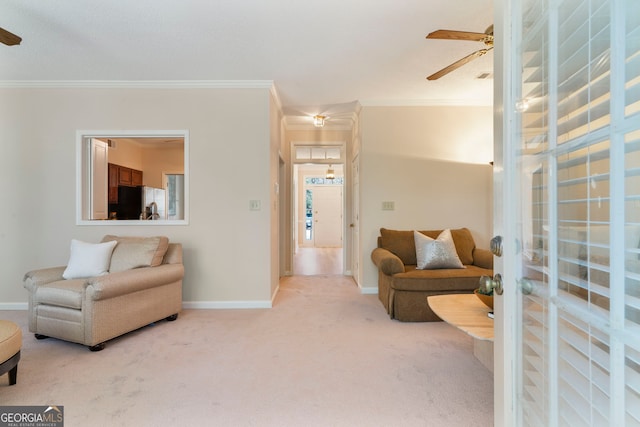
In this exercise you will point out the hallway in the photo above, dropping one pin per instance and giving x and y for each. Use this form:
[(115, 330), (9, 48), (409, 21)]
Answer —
[(317, 261)]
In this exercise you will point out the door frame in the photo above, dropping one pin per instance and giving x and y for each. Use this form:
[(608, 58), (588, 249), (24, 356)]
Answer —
[(505, 71), (346, 194)]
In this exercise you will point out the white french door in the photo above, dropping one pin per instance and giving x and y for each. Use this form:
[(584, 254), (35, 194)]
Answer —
[(567, 181), (99, 179)]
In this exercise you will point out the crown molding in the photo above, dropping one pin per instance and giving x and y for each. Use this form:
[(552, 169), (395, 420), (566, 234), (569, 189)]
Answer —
[(427, 102), (139, 84), (313, 128)]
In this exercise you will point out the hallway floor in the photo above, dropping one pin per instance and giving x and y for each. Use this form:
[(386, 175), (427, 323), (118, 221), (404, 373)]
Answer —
[(317, 261)]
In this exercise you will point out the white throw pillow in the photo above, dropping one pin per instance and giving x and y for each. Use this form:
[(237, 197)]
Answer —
[(436, 253), (88, 259)]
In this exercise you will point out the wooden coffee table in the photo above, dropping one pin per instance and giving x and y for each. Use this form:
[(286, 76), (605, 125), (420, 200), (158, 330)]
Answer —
[(467, 313)]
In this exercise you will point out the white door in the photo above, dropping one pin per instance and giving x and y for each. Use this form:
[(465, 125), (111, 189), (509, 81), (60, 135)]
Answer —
[(99, 179), (568, 193), (327, 216)]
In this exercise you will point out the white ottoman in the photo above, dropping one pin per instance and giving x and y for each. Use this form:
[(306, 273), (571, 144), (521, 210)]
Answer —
[(10, 344)]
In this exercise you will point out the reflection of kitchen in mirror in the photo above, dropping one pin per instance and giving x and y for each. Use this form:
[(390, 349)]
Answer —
[(135, 178)]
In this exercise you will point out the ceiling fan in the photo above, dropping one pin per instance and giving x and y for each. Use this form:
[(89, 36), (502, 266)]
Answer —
[(486, 38), (9, 38)]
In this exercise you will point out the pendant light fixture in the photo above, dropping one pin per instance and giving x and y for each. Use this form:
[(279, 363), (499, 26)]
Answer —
[(330, 173)]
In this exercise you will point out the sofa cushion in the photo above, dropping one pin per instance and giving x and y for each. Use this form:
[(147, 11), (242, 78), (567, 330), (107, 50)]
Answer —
[(88, 259), (63, 293), (436, 253), (135, 252), (402, 243), (450, 280)]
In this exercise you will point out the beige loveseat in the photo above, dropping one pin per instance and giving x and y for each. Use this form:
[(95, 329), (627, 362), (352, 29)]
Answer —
[(142, 284), (403, 289)]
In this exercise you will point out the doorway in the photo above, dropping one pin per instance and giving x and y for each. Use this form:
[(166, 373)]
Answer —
[(319, 219)]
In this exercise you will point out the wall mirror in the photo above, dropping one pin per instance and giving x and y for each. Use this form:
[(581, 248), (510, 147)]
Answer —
[(132, 177)]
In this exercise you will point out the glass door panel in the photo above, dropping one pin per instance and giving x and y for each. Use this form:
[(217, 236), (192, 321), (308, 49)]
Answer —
[(577, 189)]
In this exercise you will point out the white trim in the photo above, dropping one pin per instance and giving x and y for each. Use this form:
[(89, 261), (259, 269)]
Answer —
[(506, 79), (224, 305), (140, 84), (368, 290), (327, 127), (14, 306), (197, 305), (426, 102), (81, 135)]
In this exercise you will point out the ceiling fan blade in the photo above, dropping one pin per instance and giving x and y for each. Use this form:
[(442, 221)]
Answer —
[(459, 63), (457, 35), (8, 38)]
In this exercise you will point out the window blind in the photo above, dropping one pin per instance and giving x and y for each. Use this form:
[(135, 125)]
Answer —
[(579, 154)]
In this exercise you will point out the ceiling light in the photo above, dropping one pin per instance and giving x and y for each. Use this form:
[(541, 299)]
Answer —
[(330, 173), (318, 121)]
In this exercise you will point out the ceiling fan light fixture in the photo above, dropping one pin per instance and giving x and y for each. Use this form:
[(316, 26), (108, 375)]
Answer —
[(318, 121)]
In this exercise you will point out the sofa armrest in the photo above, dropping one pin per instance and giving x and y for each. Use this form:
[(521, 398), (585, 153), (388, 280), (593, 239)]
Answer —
[(483, 258), (35, 278), (128, 281), (387, 262)]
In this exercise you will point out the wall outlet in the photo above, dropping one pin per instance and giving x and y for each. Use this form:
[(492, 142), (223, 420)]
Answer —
[(388, 206), (254, 205)]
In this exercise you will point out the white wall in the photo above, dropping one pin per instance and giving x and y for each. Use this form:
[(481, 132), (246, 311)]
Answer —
[(419, 158), (226, 246), (407, 155)]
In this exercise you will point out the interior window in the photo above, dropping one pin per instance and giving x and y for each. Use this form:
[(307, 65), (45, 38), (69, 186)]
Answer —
[(134, 177)]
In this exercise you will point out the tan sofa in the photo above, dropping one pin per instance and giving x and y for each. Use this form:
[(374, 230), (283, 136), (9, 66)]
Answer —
[(143, 285), (403, 289)]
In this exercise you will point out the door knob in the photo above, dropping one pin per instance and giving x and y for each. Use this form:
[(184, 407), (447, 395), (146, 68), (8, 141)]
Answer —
[(496, 246), (526, 286), (487, 284)]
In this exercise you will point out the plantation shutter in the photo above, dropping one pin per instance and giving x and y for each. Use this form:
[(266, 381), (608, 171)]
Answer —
[(579, 121)]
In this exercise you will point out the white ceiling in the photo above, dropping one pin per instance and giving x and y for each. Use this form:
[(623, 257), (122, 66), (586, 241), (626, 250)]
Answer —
[(323, 57)]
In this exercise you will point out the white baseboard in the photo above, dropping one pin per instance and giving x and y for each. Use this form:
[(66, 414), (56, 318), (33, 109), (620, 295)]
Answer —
[(13, 306), (207, 305), (18, 306), (198, 304), (221, 305), (368, 290)]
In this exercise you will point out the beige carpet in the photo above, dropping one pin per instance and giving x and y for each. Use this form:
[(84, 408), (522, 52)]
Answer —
[(325, 355)]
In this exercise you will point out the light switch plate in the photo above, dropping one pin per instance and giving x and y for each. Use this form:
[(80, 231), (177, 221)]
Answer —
[(254, 205), (388, 206)]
